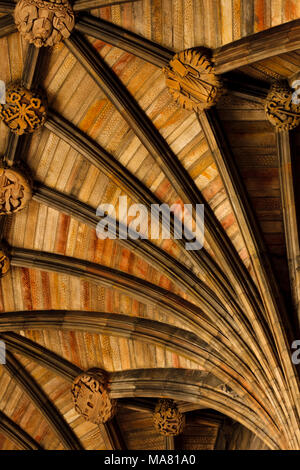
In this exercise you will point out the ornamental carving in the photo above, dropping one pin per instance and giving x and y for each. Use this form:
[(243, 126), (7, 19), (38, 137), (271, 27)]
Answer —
[(4, 261), (192, 81), (280, 109), (15, 190), (44, 23), (24, 111), (167, 418), (228, 390), (91, 398)]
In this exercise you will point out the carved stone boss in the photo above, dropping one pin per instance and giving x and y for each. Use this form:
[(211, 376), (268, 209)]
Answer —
[(24, 111), (167, 418), (280, 109), (192, 81), (4, 261), (91, 397), (44, 23), (15, 190)]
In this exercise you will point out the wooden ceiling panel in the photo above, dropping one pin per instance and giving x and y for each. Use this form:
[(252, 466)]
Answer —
[(7, 444), (56, 165), (17, 406), (66, 236), (179, 24), (99, 119), (28, 289), (200, 433), (254, 147), (138, 427), (283, 66), (111, 353), (13, 51)]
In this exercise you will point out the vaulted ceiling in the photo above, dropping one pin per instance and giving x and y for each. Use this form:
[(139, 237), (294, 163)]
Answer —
[(211, 329)]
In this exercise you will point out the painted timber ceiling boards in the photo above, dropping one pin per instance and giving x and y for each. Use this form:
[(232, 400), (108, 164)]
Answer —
[(211, 330)]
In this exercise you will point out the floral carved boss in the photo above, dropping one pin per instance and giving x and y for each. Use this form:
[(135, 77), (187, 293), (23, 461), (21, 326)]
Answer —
[(44, 23), (168, 420), (24, 111)]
